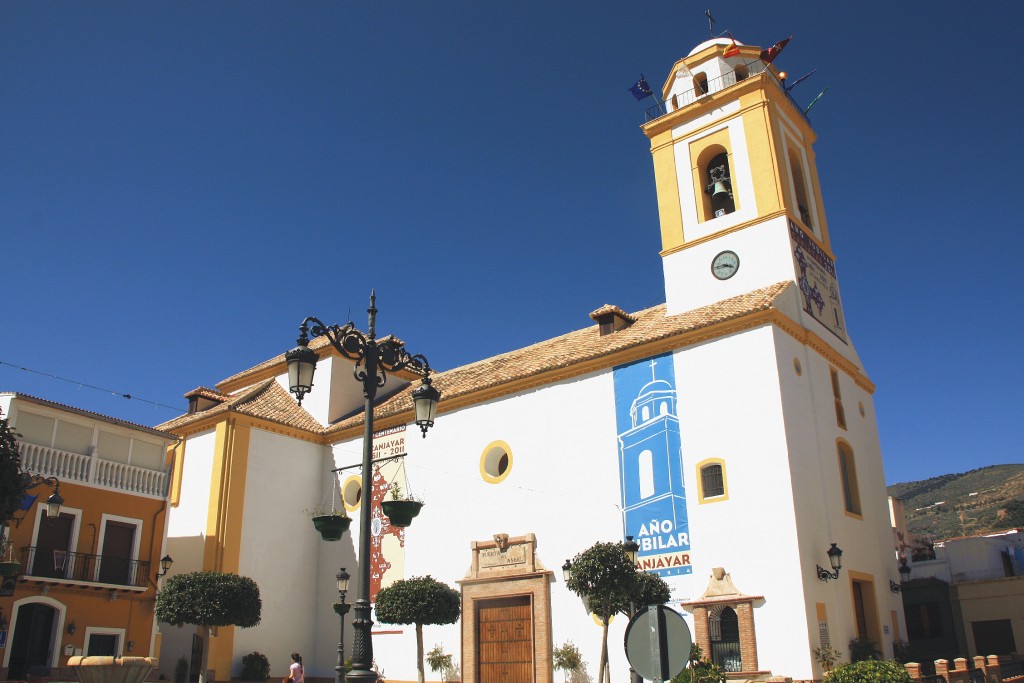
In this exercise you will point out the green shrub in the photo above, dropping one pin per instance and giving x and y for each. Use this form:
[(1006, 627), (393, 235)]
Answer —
[(902, 652), (863, 648), (702, 671), (255, 667), (567, 657), (869, 671)]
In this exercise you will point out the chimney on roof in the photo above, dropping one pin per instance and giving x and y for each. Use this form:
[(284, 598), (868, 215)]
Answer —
[(611, 319), (201, 398)]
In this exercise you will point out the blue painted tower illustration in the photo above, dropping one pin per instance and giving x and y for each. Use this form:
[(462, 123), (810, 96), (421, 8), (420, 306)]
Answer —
[(650, 465)]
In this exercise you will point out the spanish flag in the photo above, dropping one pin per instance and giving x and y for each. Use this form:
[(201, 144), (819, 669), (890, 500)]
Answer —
[(733, 49)]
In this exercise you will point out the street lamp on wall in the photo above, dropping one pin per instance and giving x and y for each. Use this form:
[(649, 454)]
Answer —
[(904, 577), (374, 359), (53, 503), (567, 570), (835, 558), (165, 566)]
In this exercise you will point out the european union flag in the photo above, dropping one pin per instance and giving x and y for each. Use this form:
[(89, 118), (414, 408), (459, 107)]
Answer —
[(641, 89), (27, 501)]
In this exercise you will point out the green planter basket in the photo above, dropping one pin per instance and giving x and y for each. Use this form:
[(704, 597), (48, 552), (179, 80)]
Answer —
[(8, 569), (401, 512), (331, 527)]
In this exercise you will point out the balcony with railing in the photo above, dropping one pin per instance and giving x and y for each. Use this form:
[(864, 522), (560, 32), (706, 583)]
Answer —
[(702, 89), (92, 470), (59, 566)]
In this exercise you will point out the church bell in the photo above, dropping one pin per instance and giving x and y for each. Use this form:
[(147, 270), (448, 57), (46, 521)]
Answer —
[(720, 192)]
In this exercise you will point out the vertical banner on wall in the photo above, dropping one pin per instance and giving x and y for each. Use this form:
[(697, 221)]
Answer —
[(387, 543), (819, 288), (650, 465)]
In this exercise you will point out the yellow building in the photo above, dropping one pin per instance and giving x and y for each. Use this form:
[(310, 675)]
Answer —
[(85, 581)]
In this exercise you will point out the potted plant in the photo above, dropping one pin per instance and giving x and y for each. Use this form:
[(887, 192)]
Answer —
[(331, 524), (400, 510)]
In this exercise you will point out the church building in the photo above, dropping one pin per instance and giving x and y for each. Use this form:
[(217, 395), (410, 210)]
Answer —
[(730, 431)]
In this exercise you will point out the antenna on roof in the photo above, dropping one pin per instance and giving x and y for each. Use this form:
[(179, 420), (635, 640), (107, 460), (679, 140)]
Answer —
[(711, 23)]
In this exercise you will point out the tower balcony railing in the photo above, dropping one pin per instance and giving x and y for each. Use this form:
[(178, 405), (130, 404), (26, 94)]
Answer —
[(49, 563), (92, 470), (755, 68)]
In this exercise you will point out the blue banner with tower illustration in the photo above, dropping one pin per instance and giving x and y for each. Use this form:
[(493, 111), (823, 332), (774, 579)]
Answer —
[(650, 464)]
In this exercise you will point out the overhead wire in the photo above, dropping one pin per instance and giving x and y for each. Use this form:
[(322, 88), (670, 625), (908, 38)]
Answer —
[(91, 386)]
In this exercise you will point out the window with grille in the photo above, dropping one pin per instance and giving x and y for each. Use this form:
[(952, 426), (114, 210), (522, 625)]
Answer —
[(712, 480)]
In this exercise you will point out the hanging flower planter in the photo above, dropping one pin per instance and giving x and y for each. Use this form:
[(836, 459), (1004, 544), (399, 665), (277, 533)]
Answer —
[(333, 526), (401, 512), (8, 569)]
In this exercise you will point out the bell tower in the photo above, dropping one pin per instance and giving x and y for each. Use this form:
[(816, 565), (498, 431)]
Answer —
[(737, 184)]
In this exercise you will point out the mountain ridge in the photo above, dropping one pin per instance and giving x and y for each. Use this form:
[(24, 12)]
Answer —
[(979, 501)]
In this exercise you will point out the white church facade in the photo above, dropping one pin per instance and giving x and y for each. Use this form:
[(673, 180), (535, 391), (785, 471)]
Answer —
[(731, 431)]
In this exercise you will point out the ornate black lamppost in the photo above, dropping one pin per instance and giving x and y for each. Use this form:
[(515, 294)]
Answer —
[(632, 550), (373, 360), (341, 607)]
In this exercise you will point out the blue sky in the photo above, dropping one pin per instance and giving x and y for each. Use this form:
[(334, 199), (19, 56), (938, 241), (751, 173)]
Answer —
[(181, 182)]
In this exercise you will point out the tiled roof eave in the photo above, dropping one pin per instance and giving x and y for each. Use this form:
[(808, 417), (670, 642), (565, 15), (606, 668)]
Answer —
[(632, 345)]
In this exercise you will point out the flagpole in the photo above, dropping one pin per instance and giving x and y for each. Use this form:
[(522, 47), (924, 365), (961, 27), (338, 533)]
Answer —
[(815, 101)]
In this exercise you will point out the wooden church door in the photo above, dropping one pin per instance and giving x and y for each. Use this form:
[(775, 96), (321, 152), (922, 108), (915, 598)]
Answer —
[(505, 640)]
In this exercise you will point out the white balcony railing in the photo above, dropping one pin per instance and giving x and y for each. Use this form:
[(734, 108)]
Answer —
[(94, 471)]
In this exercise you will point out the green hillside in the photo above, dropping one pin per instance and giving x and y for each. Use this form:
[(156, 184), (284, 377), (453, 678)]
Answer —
[(976, 502)]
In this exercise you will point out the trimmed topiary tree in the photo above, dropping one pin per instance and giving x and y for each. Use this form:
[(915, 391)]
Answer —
[(605, 577), (205, 599), (869, 670), (419, 600)]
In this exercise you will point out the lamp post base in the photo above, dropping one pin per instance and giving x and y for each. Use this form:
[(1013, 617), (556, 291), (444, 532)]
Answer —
[(362, 644)]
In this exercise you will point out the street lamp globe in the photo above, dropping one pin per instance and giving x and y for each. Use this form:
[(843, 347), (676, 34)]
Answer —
[(53, 504), (632, 549), (301, 365), (835, 557), (425, 399)]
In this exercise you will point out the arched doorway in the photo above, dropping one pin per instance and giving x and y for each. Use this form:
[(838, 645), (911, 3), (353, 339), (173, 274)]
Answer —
[(32, 642), (725, 640)]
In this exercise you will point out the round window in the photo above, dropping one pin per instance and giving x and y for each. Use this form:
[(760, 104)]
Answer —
[(496, 462), (352, 492)]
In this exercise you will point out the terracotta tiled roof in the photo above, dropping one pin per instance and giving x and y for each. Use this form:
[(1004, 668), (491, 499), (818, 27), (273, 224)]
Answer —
[(315, 344), (266, 400), (156, 431), (269, 401), (575, 347), (205, 392)]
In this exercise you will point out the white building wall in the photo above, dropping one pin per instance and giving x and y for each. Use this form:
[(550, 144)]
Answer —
[(740, 400), (822, 519), (188, 517), (280, 549), (563, 486), (731, 408)]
